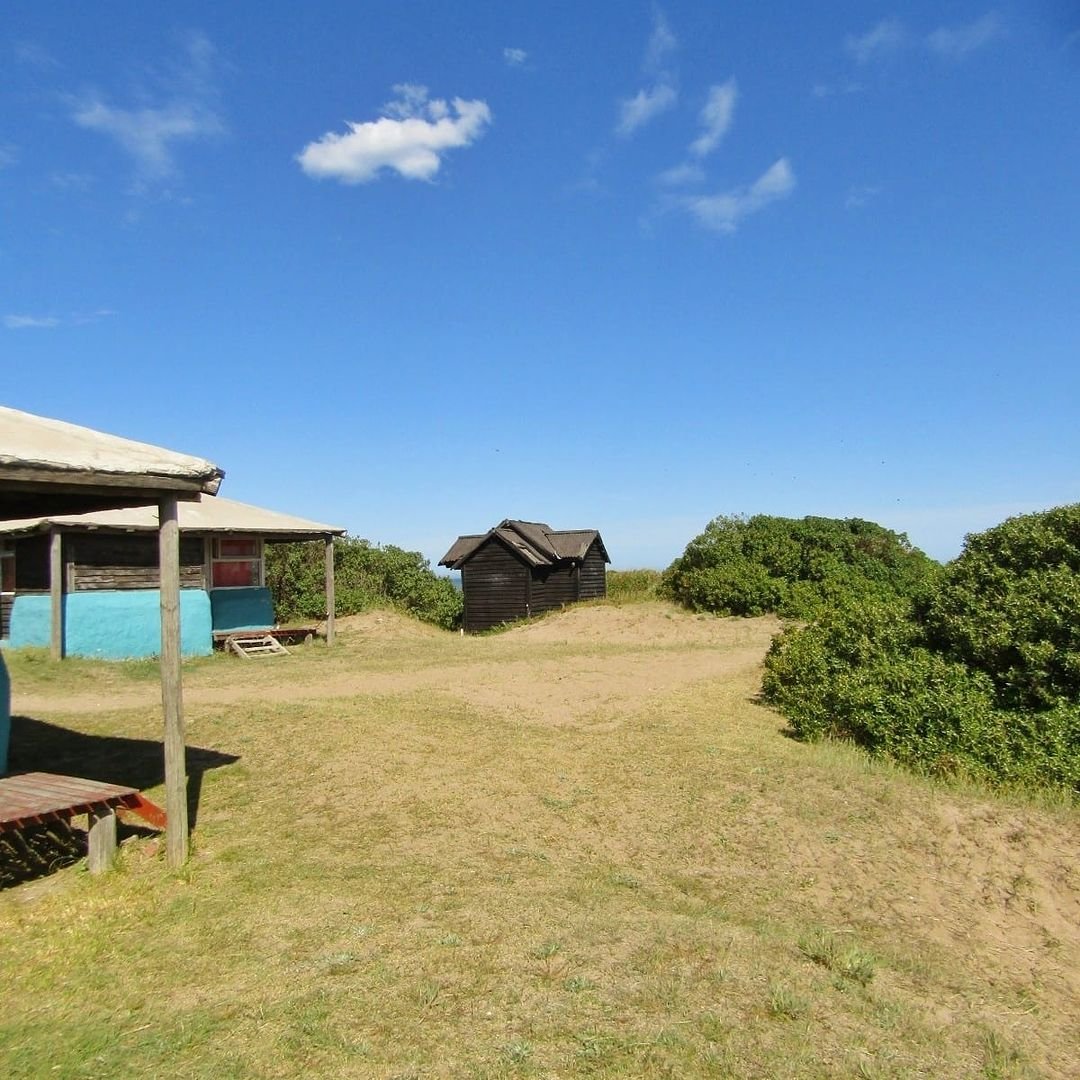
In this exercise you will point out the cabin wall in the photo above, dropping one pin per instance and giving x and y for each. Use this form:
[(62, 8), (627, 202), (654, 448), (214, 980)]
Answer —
[(494, 584), (126, 561), (593, 574), (112, 625), (552, 587)]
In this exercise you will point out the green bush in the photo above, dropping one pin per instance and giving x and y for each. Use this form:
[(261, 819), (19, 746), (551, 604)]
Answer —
[(979, 676), (628, 586), (366, 575), (795, 567)]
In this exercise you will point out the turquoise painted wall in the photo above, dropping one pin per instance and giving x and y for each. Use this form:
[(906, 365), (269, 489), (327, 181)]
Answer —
[(5, 714), (242, 609), (116, 625)]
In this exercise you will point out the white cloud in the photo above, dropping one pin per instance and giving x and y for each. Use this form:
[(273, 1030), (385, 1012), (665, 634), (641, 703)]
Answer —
[(410, 137), (681, 175), (716, 117), (515, 57), (149, 132), (83, 318), (9, 155), (859, 195), (955, 42), (31, 322), (884, 38), (723, 212), (644, 106), (826, 90), (662, 43), (649, 102)]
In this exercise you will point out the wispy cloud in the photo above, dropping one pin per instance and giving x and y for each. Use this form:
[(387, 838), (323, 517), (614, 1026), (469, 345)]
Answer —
[(410, 137), (31, 322), (725, 211), (9, 155), (33, 55), (637, 111), (879, 41), (681, 175), (716, 117), (826, 90), (184, 111), (51, 322), (71, 181), (956, 42), (515, 57), (662, 44), (859, 195), (650, 101)]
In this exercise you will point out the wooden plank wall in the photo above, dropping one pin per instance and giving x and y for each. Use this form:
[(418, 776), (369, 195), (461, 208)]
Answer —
[(6, 603), (552, 587), (494, 584), (127, 561), (593, 574)]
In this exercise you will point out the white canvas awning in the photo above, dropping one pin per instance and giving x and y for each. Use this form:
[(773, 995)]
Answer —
[(39, 454), (204, 514)]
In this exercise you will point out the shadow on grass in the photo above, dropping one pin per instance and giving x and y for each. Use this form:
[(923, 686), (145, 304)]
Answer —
[(37, 746)]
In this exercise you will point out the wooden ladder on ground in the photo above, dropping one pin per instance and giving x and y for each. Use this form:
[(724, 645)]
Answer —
[(249, 645)]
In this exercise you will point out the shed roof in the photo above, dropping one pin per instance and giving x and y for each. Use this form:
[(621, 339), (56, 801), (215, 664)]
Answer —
[(48, 465), (538, 544), (205, 514)]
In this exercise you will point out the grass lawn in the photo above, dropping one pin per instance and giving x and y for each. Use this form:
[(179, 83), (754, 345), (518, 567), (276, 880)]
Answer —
[(579, 848)]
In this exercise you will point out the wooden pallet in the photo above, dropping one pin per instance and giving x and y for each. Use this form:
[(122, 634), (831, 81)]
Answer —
[(38, 798), (249, 645)]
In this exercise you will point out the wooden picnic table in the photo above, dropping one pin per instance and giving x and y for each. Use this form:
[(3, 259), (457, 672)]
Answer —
[(37, 798)]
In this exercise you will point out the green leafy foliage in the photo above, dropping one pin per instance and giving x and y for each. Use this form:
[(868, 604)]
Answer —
[(980, 676), (633, 586), (795, 567), (366, 575)]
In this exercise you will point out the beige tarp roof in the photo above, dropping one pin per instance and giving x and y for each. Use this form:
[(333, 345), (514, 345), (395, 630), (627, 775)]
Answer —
[(206, 514), (36, 448)]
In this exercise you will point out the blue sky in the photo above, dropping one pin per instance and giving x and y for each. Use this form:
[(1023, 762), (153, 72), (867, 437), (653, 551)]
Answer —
[(413, 268)]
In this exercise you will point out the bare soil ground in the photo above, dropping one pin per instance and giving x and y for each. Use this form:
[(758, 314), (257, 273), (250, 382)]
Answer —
[(580, 847)]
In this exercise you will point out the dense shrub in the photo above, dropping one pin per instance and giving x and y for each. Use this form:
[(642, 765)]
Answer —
[(629, 586), (796, 567), (981, 676), (366, 575)]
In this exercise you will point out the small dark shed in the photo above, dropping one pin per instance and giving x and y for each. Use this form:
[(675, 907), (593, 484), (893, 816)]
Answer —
[(521, 568)]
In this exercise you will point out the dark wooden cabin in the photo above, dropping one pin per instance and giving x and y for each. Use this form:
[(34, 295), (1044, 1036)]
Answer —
[(520, 568)]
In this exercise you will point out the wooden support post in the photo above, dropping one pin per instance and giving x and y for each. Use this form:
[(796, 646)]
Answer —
[(100, 839), (330, 590), (56, 593), (176, 810)]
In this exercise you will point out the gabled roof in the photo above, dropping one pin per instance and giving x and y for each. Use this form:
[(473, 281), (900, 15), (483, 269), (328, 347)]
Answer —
[(206, 514), (536, 543)]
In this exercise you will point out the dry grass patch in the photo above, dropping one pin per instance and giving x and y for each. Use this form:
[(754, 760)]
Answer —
[(433, 875)]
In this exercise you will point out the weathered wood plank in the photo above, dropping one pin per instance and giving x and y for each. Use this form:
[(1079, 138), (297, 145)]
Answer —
[(56, 594), (330, 600), (100, 839), (176, 833)]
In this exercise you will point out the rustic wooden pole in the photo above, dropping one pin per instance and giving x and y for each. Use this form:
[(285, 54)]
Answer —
[(176, 829), (56, 593), (100, 839), (329, 590)]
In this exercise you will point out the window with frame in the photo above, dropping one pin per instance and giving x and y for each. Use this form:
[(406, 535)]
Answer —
[(236, 562)]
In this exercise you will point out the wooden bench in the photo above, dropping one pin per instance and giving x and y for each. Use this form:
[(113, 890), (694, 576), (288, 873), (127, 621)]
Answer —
[(37, 798)]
